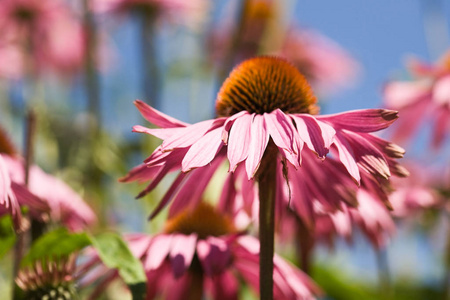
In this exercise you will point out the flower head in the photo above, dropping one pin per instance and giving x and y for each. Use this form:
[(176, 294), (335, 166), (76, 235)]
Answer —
[(200, 252), (49, 279), (425, 98), (265, 105), (40, 35)]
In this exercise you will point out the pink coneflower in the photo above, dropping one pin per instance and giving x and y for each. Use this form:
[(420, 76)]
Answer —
[(8, 200), (425, 98), (201, 254), (45, 32), (266, 99), (418, 192), (266, 116), (176, 10), (64, 205)]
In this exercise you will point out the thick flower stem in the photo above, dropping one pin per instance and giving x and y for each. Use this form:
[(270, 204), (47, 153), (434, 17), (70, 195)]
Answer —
[(305, 246), (267, 185)]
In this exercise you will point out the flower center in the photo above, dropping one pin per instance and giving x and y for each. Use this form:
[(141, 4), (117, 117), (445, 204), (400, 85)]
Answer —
[(263, 84), (6, 146), (203, 220)]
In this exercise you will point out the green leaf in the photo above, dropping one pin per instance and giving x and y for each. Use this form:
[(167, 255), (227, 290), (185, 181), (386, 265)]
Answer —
[(114, 253), (56, 243), (7, 235)]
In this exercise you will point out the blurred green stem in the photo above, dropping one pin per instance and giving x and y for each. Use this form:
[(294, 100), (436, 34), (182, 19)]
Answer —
[(151, 81), (304, 246), (446, 283), (92, 81), (384, 275)]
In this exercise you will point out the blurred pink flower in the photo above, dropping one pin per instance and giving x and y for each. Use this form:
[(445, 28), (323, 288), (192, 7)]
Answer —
[(427, 98), (200, 253), (8, 200), (416, 193), (326, 65), (46, 33), (250, 117), (54, 196), (186, 12)]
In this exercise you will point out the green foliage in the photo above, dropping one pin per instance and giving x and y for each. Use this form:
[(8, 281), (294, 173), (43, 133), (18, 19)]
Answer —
[(57, 243), (112, 250), (114, 253), (7, 235)]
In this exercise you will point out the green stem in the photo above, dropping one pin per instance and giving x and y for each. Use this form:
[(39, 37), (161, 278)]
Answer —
[(266, 184), (383, 273), (305, 246), (91, 77), (151, 80)]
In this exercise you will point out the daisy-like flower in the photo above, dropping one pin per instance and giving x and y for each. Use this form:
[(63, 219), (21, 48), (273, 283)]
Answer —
[(266, 115), (44, 194), (63, 204), (418, 192), (265, 106), (46, 35), (177, 10), (427, 98), (8, 200), (201, 254)]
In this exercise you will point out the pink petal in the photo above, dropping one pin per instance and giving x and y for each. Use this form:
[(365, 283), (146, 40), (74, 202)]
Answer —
[(229, 123), (280, 129), (188, 135), (225, 286), (214, 255), (203, 151), (441, 91), (259, 140), (157, 117), (404, 93), (346, 158), (310, 131), (364, 120), (239, 140), (182, 252), (157, 251), (161, 133), (168, 195)]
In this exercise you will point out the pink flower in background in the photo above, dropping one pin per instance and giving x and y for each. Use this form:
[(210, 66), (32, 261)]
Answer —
[(326, 65), (264, 106), (46, 33), (201, 254), (8, 200), (59, 200), (425, 99), (175, 10), (418, 192)]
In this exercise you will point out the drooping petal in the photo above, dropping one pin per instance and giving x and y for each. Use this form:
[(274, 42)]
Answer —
[(157, 117), (310, 131), (188, 135), (158, 250), (441, 91), (214, 255), (259, 140), (364, 120), (203, 151), (239, 140), (229, 123), (224, 286), (280, 129), (182, 252), (161, 133), (346, 157)]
